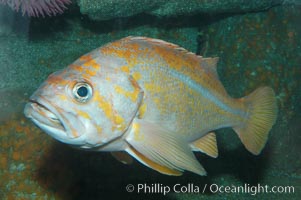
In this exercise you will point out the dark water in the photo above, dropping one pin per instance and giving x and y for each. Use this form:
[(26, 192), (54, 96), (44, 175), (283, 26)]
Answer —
[(255, 49)]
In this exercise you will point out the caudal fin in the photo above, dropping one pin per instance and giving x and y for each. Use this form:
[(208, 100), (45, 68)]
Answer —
[(262, 113)]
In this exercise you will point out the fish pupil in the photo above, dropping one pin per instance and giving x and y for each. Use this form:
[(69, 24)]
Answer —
[(82, 91)]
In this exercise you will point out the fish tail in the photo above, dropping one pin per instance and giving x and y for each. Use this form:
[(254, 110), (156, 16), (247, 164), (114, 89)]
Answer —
[(261, 115)]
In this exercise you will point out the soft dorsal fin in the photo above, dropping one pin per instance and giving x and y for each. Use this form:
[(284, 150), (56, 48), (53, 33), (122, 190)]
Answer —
[(206, 144), (210, 64)]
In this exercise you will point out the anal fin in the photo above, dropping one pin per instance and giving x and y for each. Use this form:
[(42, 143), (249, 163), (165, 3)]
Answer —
[(206, 144)]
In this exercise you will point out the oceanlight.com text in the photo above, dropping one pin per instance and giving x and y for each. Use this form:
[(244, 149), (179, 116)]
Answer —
[(158, 188)]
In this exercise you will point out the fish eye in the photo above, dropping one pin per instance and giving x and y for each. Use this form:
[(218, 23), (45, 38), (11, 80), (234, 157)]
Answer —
[(82, 92)]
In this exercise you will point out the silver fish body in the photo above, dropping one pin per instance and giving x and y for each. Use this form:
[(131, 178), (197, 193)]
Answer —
[(152, 99)]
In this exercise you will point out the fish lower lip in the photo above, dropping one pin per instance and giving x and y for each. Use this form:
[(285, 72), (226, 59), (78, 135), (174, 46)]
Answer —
[(46, 116)]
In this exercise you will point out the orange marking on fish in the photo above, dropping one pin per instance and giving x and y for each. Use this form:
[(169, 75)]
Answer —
[(184, 63), (74, 133), (92, 63), (137, 76), (83, 114), (133, 95), (142, 110), (131, 54), (117, 49), (125, 69), (76, 67), (153, 87), (57, 80), (85, 57), (110, 113), (99, 130), (63, 97), (90, 72), (136, 131), (119, 120)]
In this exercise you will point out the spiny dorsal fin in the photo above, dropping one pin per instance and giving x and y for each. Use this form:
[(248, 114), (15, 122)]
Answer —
[(206, 144), (207, 63), (166, 44), (157, 41)]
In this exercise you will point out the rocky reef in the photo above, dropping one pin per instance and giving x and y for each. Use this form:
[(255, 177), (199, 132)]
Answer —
[(109, 9)]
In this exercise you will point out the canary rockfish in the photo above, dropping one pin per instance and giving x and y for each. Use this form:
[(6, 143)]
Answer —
[(152, 100)]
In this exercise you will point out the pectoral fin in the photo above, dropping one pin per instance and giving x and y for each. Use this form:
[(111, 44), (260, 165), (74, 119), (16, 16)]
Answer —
[(206, 144), (122, 157), (160, 168), (166, 152)]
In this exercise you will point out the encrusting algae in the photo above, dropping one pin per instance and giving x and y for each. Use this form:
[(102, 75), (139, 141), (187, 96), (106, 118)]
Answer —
[(24, 150)]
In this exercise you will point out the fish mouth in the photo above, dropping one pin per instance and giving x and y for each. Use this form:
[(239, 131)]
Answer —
[(43, 115), (53, 121)]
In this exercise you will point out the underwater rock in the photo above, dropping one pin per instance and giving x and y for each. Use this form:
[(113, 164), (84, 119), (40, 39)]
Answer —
[(10, 23), (6, 21), (108, 9)]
